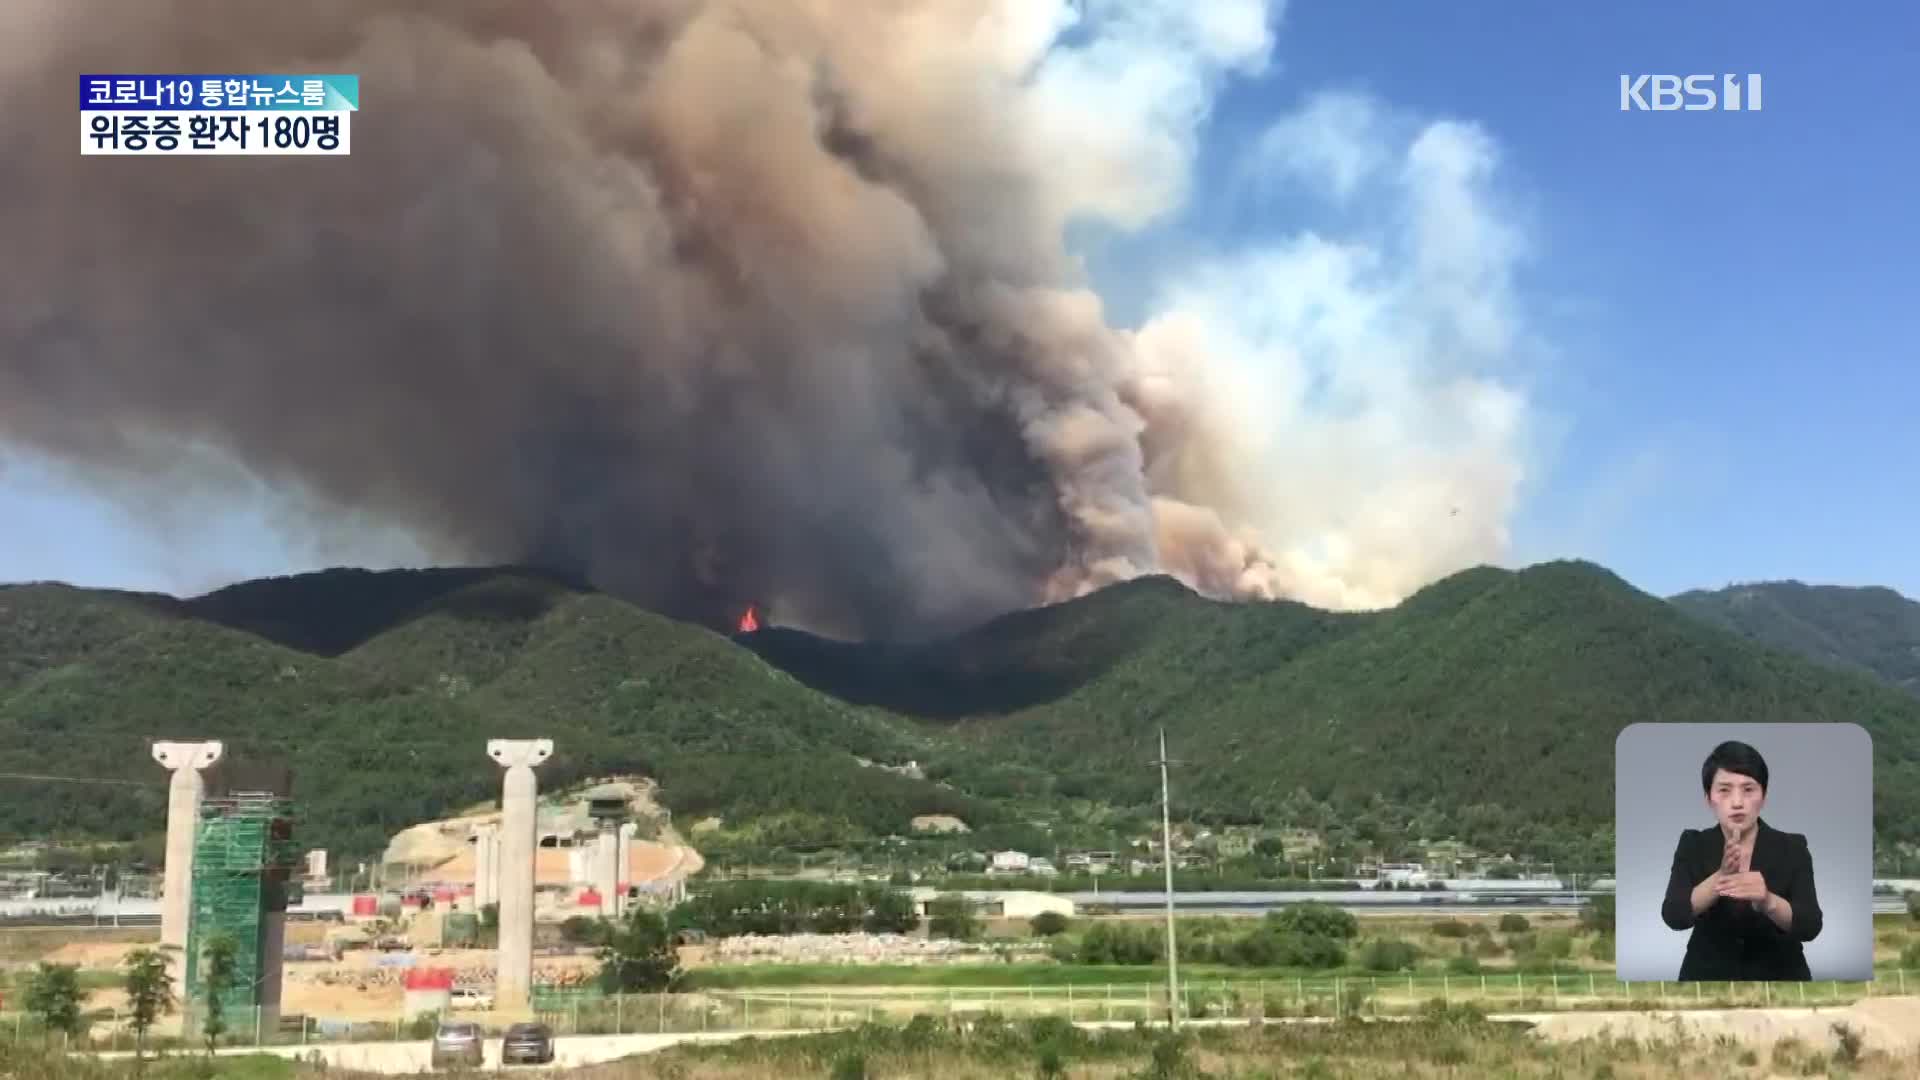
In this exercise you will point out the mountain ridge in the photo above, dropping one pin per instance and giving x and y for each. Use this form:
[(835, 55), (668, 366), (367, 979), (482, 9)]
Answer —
[(1872, 628), (1479, 706)]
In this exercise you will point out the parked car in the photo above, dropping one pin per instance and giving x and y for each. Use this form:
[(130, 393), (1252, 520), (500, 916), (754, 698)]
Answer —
[(527, 1044), (457, 1043), (466, 997)]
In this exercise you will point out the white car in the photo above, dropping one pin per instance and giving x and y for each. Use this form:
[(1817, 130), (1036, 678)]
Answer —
[(469, 998)]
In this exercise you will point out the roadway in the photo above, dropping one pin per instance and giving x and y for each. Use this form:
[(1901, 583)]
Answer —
[(1370, 903)]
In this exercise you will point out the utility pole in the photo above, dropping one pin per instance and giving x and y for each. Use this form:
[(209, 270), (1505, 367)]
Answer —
[(1166, 863)]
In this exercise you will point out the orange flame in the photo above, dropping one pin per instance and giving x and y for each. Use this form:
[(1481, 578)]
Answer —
[(750, 621)]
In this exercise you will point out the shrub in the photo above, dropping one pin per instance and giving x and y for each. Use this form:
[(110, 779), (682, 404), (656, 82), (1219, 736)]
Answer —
[(730, 908), (1850, 1042), (1450, 928), (1048, 924), (1354, 999), (583, 930), (1555, 946), (1514, 924), (54, 996), (1602, 948), (637, 955), (1119, 943), (1312, 951), (1597, 915), (423, 1026), (1910, 957), (1384, 955), (1438, 1011), (952, 915), (1463, 965), (1324, 920), (1169, 1058)]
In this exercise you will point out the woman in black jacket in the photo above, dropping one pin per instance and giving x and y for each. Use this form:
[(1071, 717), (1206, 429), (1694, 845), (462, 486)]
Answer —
[(1744, 888)]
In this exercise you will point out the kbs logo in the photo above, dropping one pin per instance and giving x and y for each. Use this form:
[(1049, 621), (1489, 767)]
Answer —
[(1694, 93)]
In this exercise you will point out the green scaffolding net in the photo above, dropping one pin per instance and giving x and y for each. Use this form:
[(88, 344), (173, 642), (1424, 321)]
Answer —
[(242, 853)]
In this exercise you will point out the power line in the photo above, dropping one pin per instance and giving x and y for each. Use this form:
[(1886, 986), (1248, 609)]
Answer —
[(79, 780)]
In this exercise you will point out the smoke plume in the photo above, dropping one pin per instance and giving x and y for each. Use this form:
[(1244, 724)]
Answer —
[(714, 302)]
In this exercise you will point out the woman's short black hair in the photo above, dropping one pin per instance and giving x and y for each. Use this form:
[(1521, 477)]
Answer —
[(1735, 757)]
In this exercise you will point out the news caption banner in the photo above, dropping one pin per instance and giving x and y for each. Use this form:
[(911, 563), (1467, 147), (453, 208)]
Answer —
[(218, 114)]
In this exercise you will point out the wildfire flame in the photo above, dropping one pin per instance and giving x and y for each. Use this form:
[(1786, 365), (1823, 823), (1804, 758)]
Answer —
[(750, 621)]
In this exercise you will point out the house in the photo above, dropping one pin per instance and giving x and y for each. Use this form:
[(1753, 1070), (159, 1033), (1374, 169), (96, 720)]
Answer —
[(1299, 843), (1009, 862), (1447, 857), (1009, 904), (1402, 874), (1234, 844)]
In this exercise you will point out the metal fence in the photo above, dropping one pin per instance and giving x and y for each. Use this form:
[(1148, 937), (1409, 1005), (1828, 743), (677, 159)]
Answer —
[(586, 1013)]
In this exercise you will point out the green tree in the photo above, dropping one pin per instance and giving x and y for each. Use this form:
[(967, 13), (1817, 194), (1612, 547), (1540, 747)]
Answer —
[(53, 995), (219, 971), (149, 988), (952, 915), (888, 911), (638, 956)]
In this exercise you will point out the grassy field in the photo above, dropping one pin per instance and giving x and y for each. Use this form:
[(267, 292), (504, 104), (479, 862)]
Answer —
[(30, 944), (1443, 1043)]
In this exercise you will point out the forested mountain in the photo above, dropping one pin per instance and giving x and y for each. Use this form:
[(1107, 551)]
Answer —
[(393, 730), (1875, 630), (1485, 706)]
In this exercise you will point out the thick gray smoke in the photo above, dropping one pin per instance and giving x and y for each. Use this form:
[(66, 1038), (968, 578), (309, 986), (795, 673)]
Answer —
[(707, 301)]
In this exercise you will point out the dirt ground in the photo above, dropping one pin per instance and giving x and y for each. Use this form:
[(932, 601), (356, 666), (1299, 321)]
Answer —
[(356, 987), (1890, 1025)]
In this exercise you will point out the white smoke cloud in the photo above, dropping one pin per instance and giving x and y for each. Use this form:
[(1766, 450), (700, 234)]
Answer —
[(1124, 96), (1350, 392), (1332, 143)]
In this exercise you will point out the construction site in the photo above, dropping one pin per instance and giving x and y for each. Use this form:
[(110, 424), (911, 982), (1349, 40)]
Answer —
[(468, 913)]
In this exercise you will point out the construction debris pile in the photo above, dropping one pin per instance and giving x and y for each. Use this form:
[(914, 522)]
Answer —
[(856, 949), (467, 975)]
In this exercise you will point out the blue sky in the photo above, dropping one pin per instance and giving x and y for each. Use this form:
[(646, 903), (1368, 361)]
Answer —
[(1730, 299), (1725, 383)]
